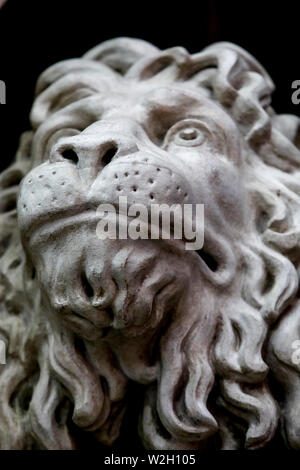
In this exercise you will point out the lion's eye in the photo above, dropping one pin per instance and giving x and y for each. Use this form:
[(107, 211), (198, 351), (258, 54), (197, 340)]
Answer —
[(188, 133)]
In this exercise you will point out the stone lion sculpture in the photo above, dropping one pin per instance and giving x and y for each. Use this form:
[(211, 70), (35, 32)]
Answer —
[(207, 336)]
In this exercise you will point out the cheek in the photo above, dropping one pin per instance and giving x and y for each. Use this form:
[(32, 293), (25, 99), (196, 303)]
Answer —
[(229, 194), (217, 183), (225, 189), (47, 192)]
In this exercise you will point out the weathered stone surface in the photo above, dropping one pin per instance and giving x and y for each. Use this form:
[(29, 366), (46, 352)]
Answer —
[(209, 335)]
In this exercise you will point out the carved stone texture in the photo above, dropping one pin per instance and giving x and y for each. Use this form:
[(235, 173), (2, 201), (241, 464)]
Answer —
[(208, 336)]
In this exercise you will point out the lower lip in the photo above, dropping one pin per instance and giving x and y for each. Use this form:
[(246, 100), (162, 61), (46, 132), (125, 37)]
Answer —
[(51, 229)]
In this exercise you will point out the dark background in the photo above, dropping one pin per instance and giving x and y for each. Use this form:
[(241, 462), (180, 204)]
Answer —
[(37, 33)]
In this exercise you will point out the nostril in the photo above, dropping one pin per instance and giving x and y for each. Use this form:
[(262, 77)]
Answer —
[(109, 154), (70, 155), (87, 288)]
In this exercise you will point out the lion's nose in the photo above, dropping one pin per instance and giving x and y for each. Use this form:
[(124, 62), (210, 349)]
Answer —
[(78, 155), (90, 154)]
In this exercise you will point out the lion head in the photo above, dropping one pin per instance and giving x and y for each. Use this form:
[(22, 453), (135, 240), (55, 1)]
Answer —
[(86, 320)]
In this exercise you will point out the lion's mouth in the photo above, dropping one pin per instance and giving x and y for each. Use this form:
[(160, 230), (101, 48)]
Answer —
[(90, 217)]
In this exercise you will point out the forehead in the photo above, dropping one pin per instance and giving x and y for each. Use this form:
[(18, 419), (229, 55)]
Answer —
[(151, 98), (152, 103)]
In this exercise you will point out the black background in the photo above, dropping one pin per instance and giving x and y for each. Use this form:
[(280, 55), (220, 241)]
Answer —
[(37, 33)]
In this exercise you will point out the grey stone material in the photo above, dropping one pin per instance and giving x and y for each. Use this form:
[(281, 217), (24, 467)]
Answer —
[(209, 336)]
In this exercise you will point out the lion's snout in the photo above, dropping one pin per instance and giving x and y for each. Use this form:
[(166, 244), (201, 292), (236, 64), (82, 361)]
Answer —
[(143, 179), (115, 158), (67, 185)]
